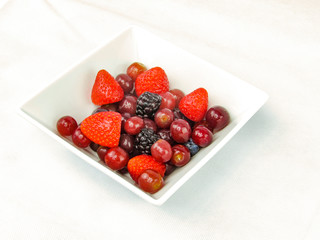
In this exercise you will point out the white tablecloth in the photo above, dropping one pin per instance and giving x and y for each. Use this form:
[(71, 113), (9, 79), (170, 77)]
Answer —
[(262, 185)]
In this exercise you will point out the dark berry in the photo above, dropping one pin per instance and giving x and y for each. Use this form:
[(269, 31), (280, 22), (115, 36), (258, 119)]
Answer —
[(193, 148), (169, 169), (147, 104), (144, 140)]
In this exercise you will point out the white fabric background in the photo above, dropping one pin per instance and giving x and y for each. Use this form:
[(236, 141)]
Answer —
[(263, 185)]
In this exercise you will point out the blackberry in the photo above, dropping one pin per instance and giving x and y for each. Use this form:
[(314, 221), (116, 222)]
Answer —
[(144, 140), (147, 104), (193, 148)]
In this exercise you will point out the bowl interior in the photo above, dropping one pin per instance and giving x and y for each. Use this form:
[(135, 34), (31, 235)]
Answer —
[(69, 94)]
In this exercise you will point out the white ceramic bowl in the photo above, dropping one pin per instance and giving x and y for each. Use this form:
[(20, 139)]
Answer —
[(70, 93)]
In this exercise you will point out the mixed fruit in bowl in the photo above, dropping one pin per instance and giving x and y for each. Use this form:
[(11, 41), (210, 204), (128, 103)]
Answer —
[(144, 128)]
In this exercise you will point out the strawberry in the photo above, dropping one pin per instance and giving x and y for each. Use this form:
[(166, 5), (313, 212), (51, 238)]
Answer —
[(106, 89), (103, 128), (140, 163), (194, 105), (153, 80)]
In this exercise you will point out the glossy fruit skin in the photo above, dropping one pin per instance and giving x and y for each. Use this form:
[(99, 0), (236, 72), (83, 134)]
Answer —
[(166, 135), (116, 158), (128, 104), (169, 169), (168, 101), (103, 128), (126, 142), (135, 69), (180, 130), (105, 89), (110, 107), (125, 82), (161, 151), (124, 118), (163, 118), (101, 152), (66, 126), (203, 123), (133, 125), (218, 117), (180, 155), (202, 136), (153, 80), (178, 95), (150, 181), (193, 148), (148, 123), (79, 139), (138, 164), (194, 105)]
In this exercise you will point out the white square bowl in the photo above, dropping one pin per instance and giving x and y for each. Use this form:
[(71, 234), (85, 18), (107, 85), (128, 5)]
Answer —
[(69, 94)]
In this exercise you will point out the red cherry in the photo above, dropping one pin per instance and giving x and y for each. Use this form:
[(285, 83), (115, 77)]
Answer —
[(202, 136), (218, 117), (116, 158), (66, 126)]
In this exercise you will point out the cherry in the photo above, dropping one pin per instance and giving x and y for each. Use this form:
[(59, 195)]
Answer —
[(126, 142), (168, 101), (163, 118), (203, 123), (125, 82), (135, 69), (150, 181), (116, 158), (110, 107), (133, 125), (102, 150), (66, 126), (180, 130), (161, 151), (202, 136), (180, 155), (128, 104), (79, 139), (178, 95), (148, 123), (169, 169), (166, 135), (218, 117)]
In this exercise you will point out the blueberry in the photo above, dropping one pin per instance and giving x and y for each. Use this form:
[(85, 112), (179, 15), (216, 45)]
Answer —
[(193, 148)]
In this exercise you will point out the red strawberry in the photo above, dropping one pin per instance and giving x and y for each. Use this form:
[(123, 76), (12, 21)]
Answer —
[(103, 128), (194, 105), (140, 163), (153, 80), (105, 89)]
